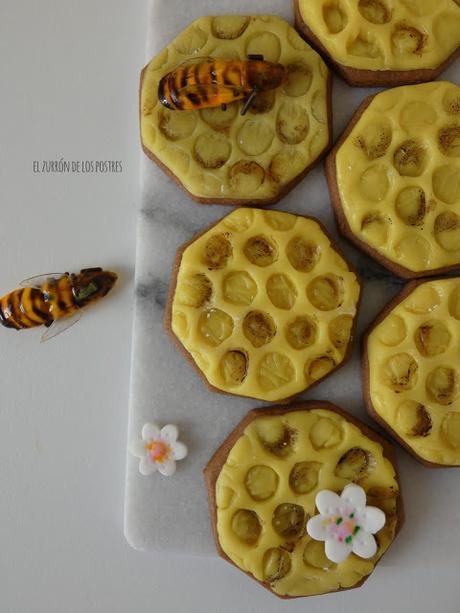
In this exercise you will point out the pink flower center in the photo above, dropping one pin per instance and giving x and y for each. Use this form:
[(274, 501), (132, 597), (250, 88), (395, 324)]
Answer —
[(343, 527), (158, 450)]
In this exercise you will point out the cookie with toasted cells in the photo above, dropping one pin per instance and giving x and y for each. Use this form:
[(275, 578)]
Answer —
[(304, 499), (394, 179), (410, 370), (375, 43), (263, 304), (236, 109)]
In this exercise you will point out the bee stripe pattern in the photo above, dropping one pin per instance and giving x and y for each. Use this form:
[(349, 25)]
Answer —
[(6, 313), (37, 305), (211, 82), (23, 311), (24, 308)]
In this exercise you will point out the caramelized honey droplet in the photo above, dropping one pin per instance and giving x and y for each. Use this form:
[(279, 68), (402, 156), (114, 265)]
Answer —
[(276, 564), (355, 464), (259, 328), (289, 521)]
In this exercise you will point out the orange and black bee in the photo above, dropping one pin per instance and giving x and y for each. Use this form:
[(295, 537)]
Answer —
[(206, 83), (54, 300)]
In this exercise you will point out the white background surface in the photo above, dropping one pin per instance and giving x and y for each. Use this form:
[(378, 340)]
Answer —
[(69, 75)]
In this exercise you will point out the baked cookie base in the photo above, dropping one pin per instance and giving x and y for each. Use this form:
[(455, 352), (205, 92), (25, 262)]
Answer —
[(214, 466), (370, 78)]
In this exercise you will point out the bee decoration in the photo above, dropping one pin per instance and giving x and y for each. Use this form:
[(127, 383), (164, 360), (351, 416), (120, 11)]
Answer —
[(54, 300), (207, 82)]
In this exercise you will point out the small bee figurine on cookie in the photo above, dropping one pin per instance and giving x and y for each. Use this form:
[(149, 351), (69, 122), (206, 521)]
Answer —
[(207, 83), (236, 109)]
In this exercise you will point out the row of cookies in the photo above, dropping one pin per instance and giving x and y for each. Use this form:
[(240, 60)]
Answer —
[(262, 311), (264, 304), (393, 176), (281, 464)]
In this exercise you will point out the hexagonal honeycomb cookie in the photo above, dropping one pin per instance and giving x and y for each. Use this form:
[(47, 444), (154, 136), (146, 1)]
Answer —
[(411, 366), (383, 42), (262, 484), (394, 179), (262, 304), (219, 156)]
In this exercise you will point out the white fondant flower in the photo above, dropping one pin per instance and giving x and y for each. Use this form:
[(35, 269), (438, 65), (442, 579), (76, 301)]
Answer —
[(158, 450), (346, 524)]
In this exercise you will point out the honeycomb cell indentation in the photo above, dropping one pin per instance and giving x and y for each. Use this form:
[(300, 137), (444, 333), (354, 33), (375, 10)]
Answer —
[(261, 251), (217, 251), (355, 464), (375, 11), (261, 482), (292, 123), (281, 291), (212, 150), (234, 367), (229, 27), (259, 328), (325, 434), (413, 419), (246, 526), (239, 288), (302, 332), (215, 326), (275, 371), (304, 477), (326, 293), (177, 126)]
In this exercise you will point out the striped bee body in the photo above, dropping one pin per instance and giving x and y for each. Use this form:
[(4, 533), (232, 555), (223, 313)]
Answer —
[(51, 298), (217, 82), (25, 308)]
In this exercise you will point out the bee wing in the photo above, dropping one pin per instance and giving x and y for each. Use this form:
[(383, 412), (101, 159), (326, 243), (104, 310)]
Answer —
[(194, 60), (60, 325), (41, 279)]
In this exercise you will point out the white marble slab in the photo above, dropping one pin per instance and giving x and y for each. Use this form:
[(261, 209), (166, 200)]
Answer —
[(171, 514)]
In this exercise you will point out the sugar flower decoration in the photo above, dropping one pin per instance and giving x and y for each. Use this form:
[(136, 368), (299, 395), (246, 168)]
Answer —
[(346, 524), (158, 450)]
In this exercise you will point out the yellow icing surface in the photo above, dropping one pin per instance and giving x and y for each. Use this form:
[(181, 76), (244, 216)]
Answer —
[(385, 34), (398, 175), (264, 304), (414, 358), (220, 154), (266, 493)]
